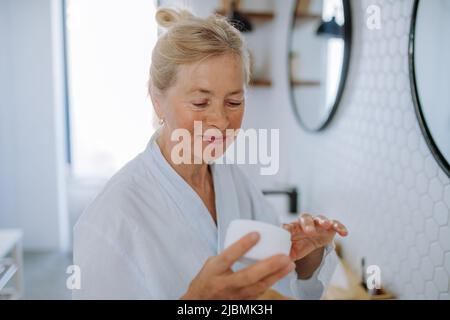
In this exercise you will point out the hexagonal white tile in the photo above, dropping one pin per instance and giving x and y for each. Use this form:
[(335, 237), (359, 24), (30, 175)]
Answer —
[(381, 166)]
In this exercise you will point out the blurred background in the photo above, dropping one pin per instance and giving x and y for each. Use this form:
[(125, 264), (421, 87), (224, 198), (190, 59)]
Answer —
[(74, 109)]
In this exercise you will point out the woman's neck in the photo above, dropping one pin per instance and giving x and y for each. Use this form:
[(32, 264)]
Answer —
[(196, 175)]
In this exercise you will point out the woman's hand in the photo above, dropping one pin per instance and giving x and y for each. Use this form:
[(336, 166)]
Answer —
[(311, 233), (217, 281)]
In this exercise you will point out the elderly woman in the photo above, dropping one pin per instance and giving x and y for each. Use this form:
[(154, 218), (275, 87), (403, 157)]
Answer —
[(156, 231)]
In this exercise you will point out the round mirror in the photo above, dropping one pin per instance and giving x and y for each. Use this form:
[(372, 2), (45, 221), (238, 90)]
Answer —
[(320, 42), (430, 74)]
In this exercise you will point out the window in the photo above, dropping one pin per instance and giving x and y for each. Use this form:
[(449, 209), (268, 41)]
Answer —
[(109, 45)]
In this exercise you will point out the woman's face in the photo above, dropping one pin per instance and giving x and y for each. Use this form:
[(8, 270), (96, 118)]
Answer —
[(207, 101)]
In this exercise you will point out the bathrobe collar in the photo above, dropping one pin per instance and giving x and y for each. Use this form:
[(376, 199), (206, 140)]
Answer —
[(189, 202)]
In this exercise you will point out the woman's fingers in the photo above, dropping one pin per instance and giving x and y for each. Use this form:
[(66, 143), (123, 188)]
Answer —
[(260, 270), (339, 228), (323, 222), (288, 227), (307, 223), (258, 288), (310, 225), (233, 253)]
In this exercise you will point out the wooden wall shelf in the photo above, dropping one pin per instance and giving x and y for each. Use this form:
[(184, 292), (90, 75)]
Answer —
[(260, 83), (305, 83), (295, 83), (262, 15), (256, 15), (308, 16)]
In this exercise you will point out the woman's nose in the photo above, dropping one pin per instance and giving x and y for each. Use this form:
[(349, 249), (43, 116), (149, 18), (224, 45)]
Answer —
[(218, 118)]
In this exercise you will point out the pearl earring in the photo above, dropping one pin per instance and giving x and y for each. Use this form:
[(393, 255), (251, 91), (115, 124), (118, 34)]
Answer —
[(161, 122)]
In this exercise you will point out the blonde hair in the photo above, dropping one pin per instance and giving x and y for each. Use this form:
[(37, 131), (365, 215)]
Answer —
[(190, 39)]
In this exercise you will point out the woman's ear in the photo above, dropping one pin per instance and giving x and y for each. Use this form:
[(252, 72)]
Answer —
[(155, 96)]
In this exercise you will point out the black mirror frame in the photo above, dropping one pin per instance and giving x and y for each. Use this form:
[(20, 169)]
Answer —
[(348, 39), (437, 154)]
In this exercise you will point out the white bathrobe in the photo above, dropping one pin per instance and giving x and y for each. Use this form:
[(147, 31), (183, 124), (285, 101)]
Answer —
[(148, 233)]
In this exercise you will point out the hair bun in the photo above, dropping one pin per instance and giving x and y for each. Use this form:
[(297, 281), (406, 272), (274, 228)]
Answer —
[(167, 17)]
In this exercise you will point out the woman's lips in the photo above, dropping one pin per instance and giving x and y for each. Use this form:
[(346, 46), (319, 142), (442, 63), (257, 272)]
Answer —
[(214, 139)]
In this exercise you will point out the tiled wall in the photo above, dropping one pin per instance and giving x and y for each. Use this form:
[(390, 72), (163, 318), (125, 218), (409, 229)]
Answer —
[(373, 168)]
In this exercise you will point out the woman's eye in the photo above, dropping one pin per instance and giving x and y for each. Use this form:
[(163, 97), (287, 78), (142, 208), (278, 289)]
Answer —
[(235, 104), (200, 104)]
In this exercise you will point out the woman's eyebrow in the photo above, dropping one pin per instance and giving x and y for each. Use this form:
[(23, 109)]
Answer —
[(236, 92), (206, 91), (194, 90)]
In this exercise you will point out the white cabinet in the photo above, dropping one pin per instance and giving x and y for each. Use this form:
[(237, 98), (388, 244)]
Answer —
[(11, 264)]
